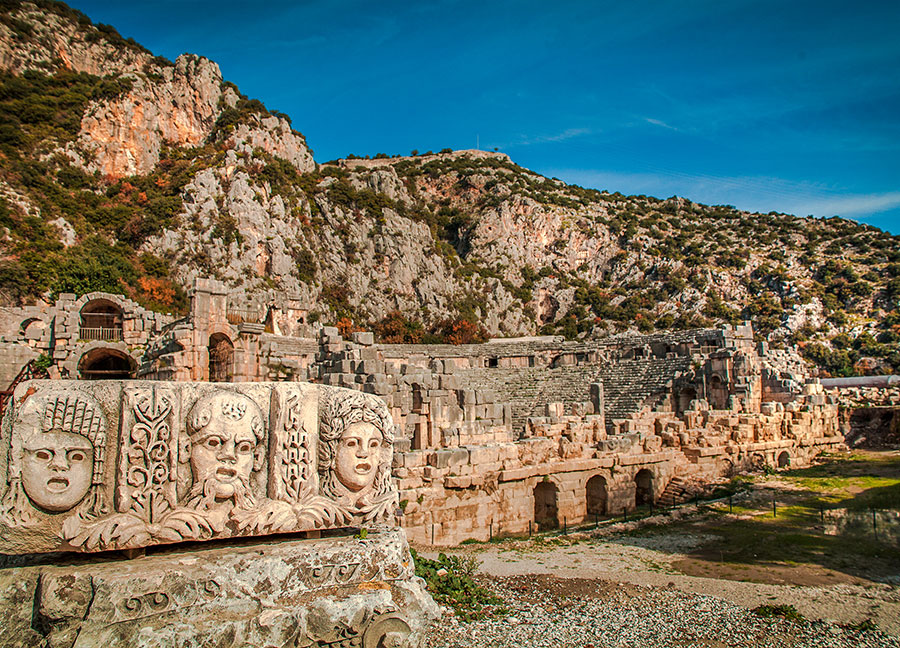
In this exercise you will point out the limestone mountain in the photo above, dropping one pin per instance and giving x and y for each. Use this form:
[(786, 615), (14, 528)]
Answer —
[(125, 172)]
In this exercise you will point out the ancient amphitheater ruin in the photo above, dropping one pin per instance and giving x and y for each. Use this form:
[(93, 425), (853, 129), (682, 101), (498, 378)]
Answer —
[(492, 439)]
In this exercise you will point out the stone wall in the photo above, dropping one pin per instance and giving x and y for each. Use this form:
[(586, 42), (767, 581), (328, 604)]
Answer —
[(505, 438), (495, 438)]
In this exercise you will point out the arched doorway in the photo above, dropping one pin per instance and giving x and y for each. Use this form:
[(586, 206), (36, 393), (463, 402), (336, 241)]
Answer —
[(643, 487), (718, 393), (784, 459), (595, 496), (221, 358), (105, 364), (545, 512), (685, 396), (726, 467), (101, 319)]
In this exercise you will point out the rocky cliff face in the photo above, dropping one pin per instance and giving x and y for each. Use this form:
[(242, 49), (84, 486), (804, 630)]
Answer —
[(165, 172)]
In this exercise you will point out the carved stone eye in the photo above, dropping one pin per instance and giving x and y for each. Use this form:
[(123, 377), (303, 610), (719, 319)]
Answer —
[(245, 447), (213, 442), (374, 443), (351, 442), (76, 456), (44, 455)]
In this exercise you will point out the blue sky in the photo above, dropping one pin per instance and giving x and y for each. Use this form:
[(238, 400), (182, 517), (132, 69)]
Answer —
[(791, 106)]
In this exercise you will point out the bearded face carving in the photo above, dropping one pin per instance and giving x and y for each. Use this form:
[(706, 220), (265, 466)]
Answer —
[(56, 469), (225, 433)]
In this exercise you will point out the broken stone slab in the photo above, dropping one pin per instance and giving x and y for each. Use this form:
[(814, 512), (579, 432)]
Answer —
[(329, 592), (99, 465)]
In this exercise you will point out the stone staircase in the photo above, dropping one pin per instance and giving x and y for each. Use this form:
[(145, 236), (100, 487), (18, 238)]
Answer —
[(678, 491), (628, 385)]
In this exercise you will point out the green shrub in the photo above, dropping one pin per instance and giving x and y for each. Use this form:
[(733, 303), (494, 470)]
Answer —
[(450, 582), (783, 610)]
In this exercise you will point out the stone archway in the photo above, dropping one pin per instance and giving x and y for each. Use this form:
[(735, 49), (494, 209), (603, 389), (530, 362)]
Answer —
[(545, 510), (595, 496), (101, 319), (784, 459), (221, 358), (103, 363), (643, 487)]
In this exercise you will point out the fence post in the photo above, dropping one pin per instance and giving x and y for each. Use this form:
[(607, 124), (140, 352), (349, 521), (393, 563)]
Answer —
[(491, 530), (625, 513), (822, 514), (596, 520), (730, 508), (529, 528), (874, 523), (565, 530), (774, 509)]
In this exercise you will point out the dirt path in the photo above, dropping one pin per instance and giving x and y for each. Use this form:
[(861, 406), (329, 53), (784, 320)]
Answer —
[(654, 561)]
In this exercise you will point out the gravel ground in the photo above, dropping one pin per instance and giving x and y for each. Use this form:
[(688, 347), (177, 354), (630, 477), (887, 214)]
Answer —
[(546, 611)]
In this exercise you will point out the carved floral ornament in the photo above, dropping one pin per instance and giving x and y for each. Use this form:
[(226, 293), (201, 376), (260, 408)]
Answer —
[(186, 461)]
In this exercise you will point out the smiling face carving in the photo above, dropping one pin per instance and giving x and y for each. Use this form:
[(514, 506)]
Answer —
[(358, 455), (56, 469)]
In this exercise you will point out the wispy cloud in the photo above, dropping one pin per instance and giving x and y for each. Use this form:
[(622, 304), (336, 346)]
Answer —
[(760, 194), (660, 123), (849, 205), (531, 140)]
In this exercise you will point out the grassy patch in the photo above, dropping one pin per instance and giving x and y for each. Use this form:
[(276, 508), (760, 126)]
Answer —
[(784, 611), (449, 579)]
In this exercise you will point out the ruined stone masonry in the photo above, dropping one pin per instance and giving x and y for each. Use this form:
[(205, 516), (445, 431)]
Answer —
[(489, 439)]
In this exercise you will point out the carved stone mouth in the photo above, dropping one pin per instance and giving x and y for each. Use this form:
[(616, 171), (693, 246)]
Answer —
[(226, 473), (57, 484), (363, 467)]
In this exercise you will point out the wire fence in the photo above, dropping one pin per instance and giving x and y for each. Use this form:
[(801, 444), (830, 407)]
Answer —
[(882, 524)]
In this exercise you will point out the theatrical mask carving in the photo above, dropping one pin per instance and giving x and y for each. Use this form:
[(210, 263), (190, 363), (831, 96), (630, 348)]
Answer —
[(55, 459), (226, 433), (358, 455), (56, 469), (355, 436)]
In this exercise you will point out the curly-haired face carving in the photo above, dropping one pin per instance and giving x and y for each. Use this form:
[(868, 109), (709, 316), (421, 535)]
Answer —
[(56, 469), (358, 455)]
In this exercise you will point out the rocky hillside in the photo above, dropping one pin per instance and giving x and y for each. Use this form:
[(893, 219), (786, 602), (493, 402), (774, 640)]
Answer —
[(126, 172)]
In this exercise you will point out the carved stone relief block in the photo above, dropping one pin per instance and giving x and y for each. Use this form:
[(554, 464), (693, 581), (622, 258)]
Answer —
[(187, 462)]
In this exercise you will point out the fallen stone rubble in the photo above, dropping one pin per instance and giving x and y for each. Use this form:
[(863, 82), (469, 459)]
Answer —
[(597, 614)]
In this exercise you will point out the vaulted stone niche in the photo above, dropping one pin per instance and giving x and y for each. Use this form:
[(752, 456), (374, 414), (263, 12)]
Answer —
[(101, 319), (596, 496), (546, 514), (103, 363), (221, 358)]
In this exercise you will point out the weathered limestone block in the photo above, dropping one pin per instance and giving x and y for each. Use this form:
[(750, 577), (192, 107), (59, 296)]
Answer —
[(330, 592), (98, 465)]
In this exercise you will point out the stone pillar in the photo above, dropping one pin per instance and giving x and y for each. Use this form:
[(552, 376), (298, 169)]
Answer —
[(598, 403)]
